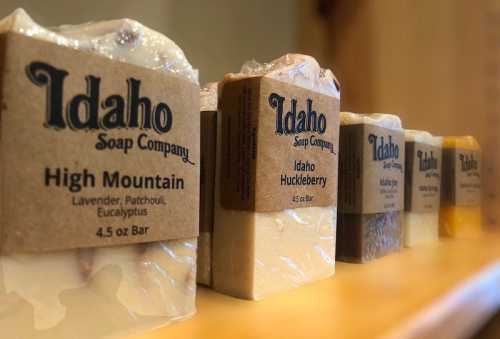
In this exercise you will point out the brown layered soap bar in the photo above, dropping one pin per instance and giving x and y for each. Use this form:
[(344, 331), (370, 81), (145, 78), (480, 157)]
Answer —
[(208, 139), (371, 182), (363, 237)]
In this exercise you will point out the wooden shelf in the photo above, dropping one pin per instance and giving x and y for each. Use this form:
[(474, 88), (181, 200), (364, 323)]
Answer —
[(446, 290)]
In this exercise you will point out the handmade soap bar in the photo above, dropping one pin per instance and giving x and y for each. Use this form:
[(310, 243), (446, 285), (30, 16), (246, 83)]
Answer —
[(460, 213), (208, 136), (101, 291), (275, 210), (422, 187), (371, 179)]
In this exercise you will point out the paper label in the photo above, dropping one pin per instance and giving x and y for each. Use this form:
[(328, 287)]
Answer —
[(280, 145), (423, 177), (94, 152), (461, 183), (371, 169)]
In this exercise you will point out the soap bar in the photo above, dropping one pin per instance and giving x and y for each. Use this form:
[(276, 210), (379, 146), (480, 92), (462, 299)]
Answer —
[(460, 213), (371, 179), (422, 187), (257, 253), (208, 138), (363, 237), (104, 291), (260, 254)]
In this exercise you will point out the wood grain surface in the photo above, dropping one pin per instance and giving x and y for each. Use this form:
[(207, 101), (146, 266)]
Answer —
[(445, 290), (434, 63)]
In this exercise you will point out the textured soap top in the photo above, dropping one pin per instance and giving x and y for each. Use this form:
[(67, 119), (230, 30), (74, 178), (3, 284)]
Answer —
[(124, 40), (465, 142), (423, 137), (208, 97), (389, 121), (296, 69)]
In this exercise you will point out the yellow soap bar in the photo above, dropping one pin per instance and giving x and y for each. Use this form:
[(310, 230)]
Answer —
[(460, 213)]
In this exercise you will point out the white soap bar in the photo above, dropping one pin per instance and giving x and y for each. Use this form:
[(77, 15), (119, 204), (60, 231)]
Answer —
[(208, 97), (296, 69), (389, 121), (104, 291), (277, 251), (257, 254), (423, 137), (124, 40), (421, 227), (204, 259)]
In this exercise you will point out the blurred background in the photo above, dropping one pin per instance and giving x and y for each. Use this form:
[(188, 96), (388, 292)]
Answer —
[(436, 63)]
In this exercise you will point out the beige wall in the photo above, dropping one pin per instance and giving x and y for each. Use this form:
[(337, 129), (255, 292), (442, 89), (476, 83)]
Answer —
[(216, 35)]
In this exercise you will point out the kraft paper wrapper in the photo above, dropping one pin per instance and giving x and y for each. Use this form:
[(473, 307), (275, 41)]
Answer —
[(37, 217), (256, 157)]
